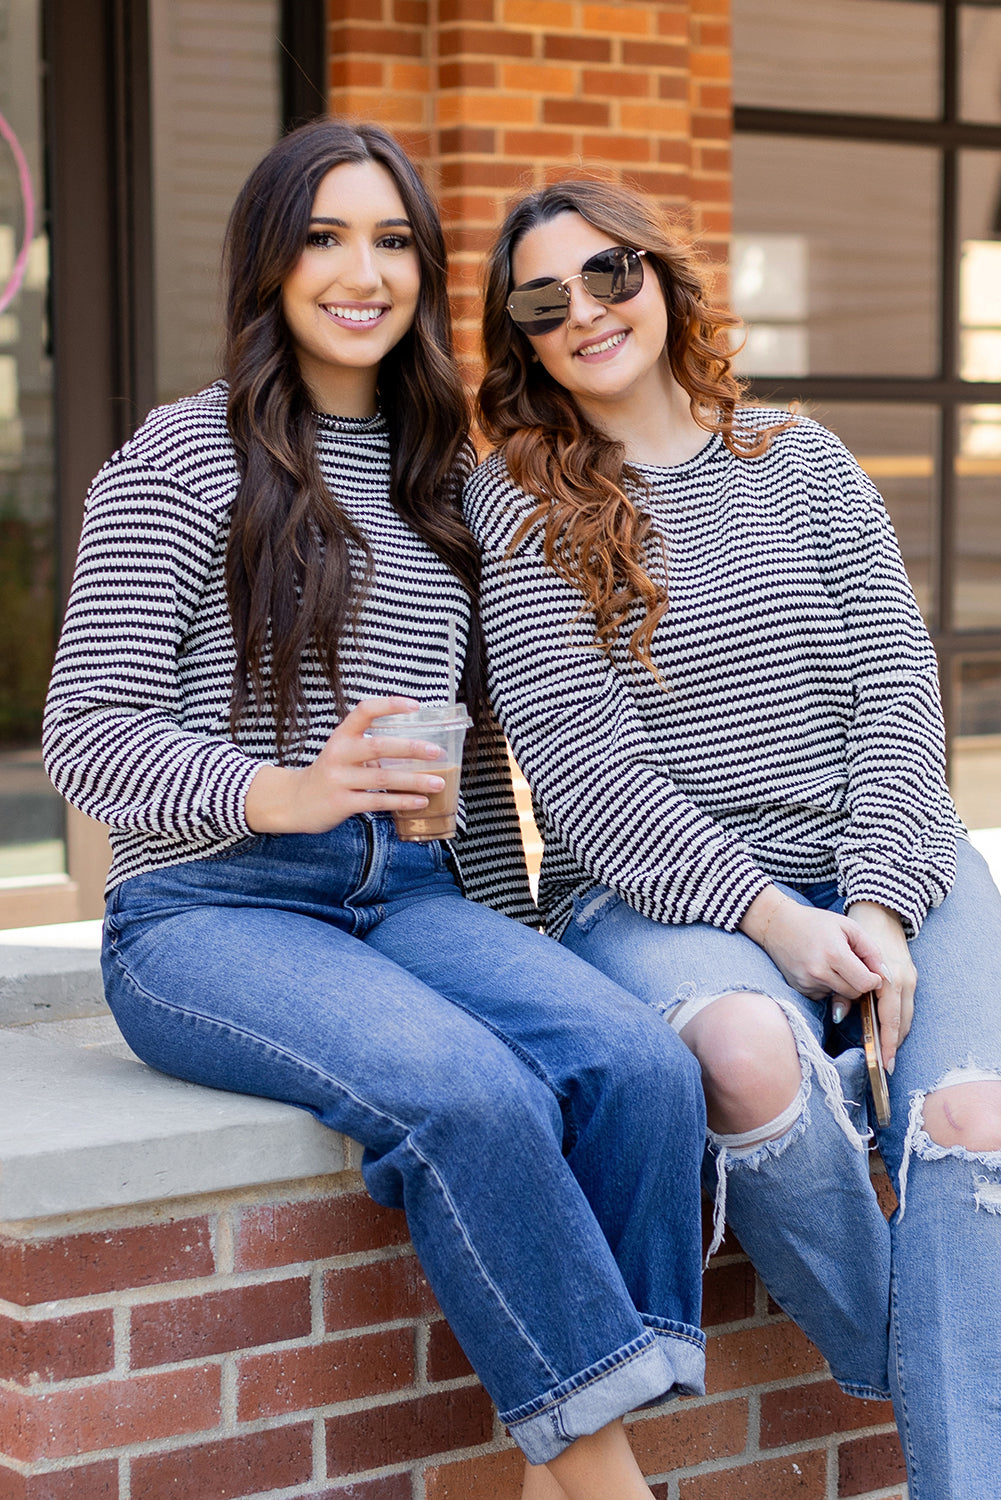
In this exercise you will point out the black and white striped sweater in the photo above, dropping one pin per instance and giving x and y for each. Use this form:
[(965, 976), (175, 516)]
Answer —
[(137, 720), (798, 732)]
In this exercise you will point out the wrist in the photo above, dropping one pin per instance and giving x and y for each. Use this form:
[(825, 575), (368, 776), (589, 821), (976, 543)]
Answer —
[(762, 911), (268, 803), (876, 916)]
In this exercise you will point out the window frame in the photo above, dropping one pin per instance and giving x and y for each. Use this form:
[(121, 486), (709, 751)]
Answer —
[(949, 135), (99, 215)]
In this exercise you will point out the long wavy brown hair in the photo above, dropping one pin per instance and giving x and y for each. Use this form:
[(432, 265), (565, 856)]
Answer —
[(289, 577), (597, 533)]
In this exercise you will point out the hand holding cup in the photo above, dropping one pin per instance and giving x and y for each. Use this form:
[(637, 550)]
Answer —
[(346, 777)]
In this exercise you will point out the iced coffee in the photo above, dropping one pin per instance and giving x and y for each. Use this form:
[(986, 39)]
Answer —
[(443, 724)]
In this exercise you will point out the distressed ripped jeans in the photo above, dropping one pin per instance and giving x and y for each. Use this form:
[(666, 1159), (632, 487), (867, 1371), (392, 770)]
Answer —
[(909, 1309), (503, 1092)]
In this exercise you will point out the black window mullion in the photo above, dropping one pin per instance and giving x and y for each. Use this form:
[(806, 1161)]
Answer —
[(950, 61), (303, 67), (752, 120)]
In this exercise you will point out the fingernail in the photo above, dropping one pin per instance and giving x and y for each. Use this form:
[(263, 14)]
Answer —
[(437, 783), (887, 974), (889, 1067), (838, 1012), (433, 752)]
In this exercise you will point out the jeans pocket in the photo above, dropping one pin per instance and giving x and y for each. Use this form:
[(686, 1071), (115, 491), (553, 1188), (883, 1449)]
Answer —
[(442, 858), (595, 903)]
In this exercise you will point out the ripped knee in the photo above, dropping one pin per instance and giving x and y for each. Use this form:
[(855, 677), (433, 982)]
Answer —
[(766, 1049), (751, 1068), (960, 1117), (965, 1114)]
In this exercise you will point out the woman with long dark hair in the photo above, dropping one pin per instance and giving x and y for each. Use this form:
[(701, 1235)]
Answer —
[(265, 569), (710, 666)]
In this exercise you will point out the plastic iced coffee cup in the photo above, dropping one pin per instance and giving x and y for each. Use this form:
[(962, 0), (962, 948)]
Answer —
[(443, 724)]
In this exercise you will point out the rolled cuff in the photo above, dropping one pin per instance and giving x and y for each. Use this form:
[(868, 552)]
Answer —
[(906, 897), (667, 1360)]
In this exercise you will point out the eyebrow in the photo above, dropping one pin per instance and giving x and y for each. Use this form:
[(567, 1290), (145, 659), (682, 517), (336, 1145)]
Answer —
[(342, 224)]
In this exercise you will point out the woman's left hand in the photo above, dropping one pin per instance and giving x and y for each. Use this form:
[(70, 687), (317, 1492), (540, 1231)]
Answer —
[(896, 993)]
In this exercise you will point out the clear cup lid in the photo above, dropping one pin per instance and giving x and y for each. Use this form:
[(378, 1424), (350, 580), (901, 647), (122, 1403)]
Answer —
[(449, 715)]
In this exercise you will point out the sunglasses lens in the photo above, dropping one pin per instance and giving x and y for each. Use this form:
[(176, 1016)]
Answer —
[(538, 306), (613, 275)]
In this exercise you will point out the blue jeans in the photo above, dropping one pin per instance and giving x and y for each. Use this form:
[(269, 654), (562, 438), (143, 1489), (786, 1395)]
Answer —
[(912, 1308), (503, 1092)]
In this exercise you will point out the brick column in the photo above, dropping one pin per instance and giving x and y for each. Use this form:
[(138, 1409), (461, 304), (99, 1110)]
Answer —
[(498, 96), (380, 66), (531, 90), (712, 120)]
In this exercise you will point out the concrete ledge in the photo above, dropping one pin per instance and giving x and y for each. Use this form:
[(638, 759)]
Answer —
[(50, 973), (84, 1125), (82, 1129)]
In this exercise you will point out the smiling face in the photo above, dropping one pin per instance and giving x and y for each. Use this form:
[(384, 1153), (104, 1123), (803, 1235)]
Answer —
[(605, 355), (353, 293)]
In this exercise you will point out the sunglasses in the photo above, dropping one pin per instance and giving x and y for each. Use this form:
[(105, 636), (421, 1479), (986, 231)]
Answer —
[(614, 275)]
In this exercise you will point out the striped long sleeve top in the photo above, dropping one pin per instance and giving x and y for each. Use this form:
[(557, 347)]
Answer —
[(796, 733), (136, 726)]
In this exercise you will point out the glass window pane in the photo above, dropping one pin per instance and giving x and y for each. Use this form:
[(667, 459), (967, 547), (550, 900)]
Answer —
[(976, 748), (31, 814), (872, 57), (897, 445), (216, 110), (980, 63), (978, 518), (835, 256), (980, 265)]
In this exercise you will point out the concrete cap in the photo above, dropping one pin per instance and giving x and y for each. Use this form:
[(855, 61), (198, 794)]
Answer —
[(82, 1129), (50, 973)]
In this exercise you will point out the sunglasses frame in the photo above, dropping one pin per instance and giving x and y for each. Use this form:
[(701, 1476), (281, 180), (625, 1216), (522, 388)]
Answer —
[(535, 327)]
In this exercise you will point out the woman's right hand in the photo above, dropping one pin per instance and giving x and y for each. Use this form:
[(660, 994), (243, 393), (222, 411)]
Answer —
[(817, 952), (345, 778)]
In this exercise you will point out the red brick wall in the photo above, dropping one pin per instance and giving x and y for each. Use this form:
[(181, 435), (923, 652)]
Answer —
[(496, 96), (290, 1342)]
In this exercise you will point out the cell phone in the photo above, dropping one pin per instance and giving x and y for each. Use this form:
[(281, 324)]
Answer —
[(874, 1058)]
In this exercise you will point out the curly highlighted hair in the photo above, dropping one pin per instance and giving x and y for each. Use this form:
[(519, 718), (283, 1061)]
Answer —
[(597, 533)]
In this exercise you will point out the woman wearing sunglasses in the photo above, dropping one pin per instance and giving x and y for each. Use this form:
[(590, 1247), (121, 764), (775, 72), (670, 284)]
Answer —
[(707, 659)]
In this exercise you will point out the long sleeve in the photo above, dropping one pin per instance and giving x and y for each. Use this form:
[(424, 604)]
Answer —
[(137, 726), (115, 739), (899, 843)]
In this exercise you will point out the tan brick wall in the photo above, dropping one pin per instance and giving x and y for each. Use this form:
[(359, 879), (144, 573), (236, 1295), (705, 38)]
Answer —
[(381, 65)]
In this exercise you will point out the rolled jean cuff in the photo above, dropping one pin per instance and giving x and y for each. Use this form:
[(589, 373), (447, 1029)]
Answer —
[(667, 1360)]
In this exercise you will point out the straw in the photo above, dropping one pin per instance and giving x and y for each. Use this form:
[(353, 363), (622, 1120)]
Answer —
[(451, 663)]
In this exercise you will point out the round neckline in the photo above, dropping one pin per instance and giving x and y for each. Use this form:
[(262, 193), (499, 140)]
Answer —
[(329, 422), (709, 448)]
